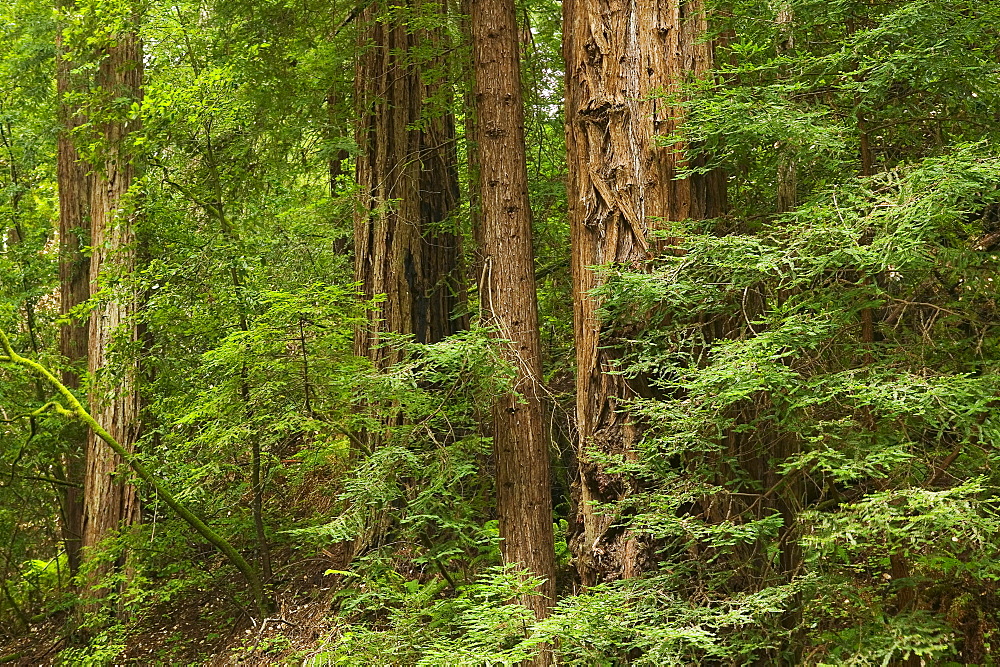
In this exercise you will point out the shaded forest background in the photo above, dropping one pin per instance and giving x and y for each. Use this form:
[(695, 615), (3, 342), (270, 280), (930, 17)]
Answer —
[(310, 357)]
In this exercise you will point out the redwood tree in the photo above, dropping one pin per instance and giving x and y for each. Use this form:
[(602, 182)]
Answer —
[(508, 298), (75, 181), (109, 501), (405, 245), (623, 61)]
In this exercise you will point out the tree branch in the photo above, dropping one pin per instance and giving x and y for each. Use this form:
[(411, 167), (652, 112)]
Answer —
[(77, 411)]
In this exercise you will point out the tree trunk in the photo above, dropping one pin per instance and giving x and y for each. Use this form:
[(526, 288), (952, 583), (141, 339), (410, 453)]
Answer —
[(335, 164), (508, 299), (406, 247), (618, 56), (471, 148), (110, 502), (74, 181), (787, 167)]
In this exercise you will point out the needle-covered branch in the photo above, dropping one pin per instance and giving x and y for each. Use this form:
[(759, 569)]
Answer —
[(77, 411)]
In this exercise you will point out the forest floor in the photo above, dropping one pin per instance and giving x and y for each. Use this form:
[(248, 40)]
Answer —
[(207, 627)]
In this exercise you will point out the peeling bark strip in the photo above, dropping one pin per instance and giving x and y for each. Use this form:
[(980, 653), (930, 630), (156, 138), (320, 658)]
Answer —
[(621, 57), (508, 299), (405, 246), (108, 501), (75, 182)]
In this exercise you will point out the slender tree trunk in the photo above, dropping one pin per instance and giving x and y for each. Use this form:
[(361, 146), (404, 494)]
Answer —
[(405, 245), (619, 55), (471, 148), (787, 168), (238, 280), (74, 181), (789, 500), (110, 502), (335, 163), (508, 299)]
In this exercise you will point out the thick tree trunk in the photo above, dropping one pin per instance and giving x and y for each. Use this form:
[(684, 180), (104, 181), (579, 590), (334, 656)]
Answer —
[(406, 247), (619, 55), (508, 299), (75, 182), (110, 502)]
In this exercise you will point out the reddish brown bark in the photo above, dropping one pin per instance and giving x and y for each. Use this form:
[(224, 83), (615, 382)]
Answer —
[(109, 501), (508, 299), (406, 246), (74, 180), (621, 58)]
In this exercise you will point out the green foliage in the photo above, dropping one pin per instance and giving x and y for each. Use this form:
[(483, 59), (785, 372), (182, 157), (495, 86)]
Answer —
[(856, 431), (824, 380), (103, 650), (477, 626), (423, 482), (818, 385)]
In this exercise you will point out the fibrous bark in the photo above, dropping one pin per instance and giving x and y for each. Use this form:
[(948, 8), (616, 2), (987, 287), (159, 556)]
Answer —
[(508, 298), (405, 242), (109, 502), (623, 61), (74, 180)]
